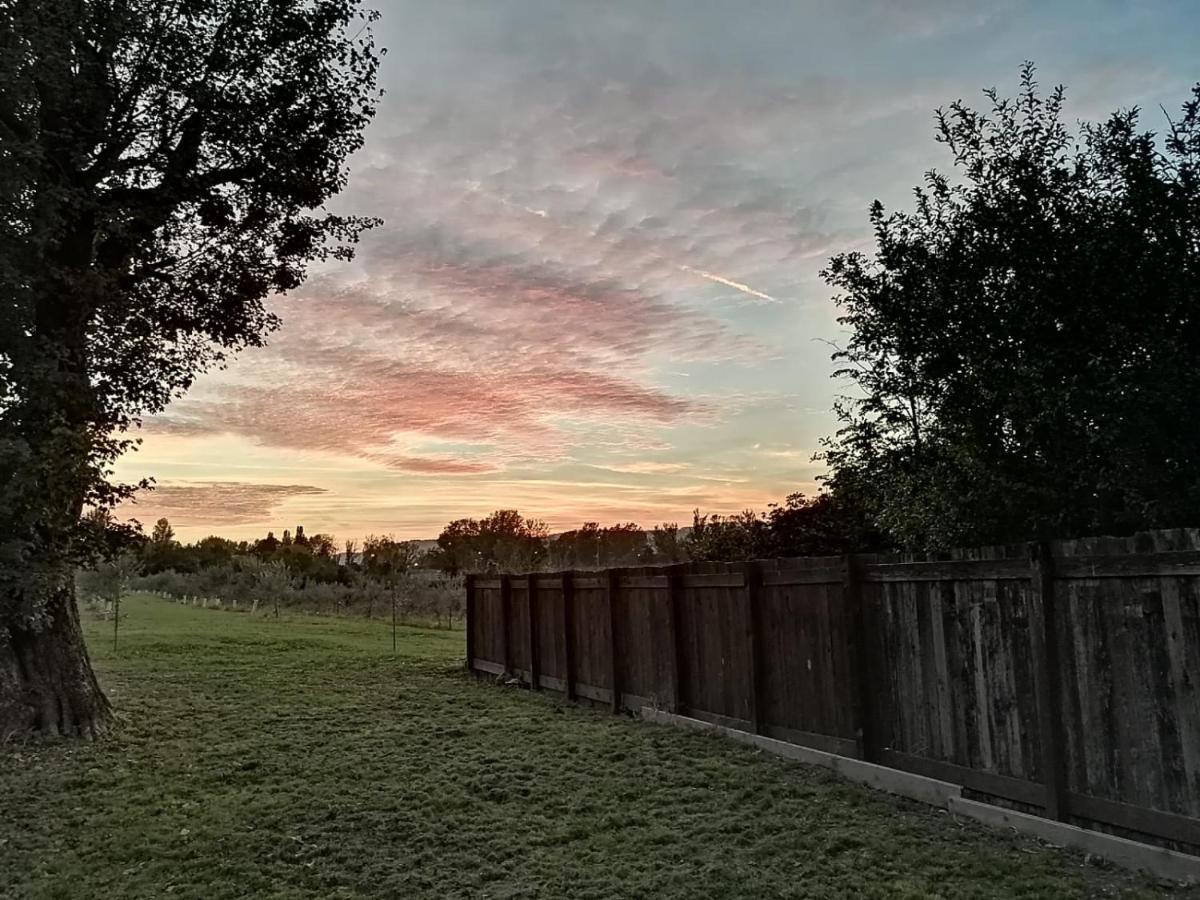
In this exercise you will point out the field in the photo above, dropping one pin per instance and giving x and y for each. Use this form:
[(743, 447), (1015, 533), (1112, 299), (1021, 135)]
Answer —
[(296, 758)]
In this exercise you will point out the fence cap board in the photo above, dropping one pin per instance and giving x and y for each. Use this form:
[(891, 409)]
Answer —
[(947, 570), (717, 580), (587, 584), (636, 582), (787, 578), (488, 584), (1169, 563)]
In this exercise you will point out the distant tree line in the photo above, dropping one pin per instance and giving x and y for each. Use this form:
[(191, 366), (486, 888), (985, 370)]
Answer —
[(506, 541)]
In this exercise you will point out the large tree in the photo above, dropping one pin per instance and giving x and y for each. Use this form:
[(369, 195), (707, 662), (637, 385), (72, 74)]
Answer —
[(1026, 342), (164, 166)]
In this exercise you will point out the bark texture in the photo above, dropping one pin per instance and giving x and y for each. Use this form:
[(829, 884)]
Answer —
[(47, 687)]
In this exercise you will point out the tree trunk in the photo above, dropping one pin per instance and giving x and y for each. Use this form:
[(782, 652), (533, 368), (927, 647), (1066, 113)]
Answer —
[(47, 687)]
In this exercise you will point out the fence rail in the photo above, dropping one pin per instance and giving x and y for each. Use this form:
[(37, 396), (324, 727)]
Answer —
[(1062, 679)]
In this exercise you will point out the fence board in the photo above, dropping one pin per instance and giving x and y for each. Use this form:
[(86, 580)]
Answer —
[(590, 639), (551, 651)]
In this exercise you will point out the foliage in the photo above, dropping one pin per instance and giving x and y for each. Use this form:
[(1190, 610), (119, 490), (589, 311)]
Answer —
[(596, 547), (824, 525), (163, 169), (305, 558), (666, 544), (330, 770), (388, 560), (109, 580), (1026, 341), (728, 538), (504, 541)]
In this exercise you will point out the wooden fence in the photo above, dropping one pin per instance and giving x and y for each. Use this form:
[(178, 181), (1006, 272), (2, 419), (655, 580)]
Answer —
[(1061, 679)]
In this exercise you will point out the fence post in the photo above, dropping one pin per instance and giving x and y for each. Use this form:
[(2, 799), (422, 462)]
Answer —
[(753, 586), (534, 661), (611, 585), (674, 590), (857, 610), (506, 617), (568, 619), (470, 586), (1043, 636)]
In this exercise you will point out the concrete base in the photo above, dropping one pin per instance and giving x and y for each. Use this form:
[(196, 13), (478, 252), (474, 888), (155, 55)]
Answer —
[(1122, 851), (1129, 854)]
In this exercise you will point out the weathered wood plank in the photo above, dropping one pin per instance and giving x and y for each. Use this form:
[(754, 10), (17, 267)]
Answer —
[(568, 633), (506, 613), (534, 661), (752, 600), (1181, 613), (940, 674), (472, 619), (1174, 564), (826, 575), (715, 580), (1003, 786), (1171, 826), (672, 638), (946, 570), (862, 623), (644, 582), (1047, 669), (612, 587)]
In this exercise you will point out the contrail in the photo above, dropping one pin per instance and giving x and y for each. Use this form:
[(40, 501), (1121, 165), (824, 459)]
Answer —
[(737, 286)]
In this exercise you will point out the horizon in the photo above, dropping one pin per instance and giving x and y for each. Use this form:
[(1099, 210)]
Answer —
[(596, 296)]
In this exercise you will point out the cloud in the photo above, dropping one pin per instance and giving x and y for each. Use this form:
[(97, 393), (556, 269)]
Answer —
[(554, 247), (215, 503), (647, 468)]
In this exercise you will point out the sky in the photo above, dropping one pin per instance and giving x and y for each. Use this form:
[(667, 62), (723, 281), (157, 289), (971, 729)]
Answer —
[(596, 294)]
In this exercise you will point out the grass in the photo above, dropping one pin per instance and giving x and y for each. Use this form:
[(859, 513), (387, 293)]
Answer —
[(295, 758)]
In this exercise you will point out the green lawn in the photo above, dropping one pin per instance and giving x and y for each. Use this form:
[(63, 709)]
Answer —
[(295, 758)]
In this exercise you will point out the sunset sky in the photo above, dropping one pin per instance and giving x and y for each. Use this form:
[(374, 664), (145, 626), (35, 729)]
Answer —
[(596, 293)]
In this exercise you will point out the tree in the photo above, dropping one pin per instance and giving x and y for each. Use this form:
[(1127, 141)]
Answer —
[(457, 550), (735, 538), (824, 525), (1026, 342), (503, 541), (271, 581), (267, 547), (665, 544), (163, 534), (160, 165), (389, 561), (109, 582), (321, 546)]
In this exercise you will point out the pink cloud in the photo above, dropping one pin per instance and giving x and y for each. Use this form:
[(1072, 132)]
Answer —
[(213, 503)]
